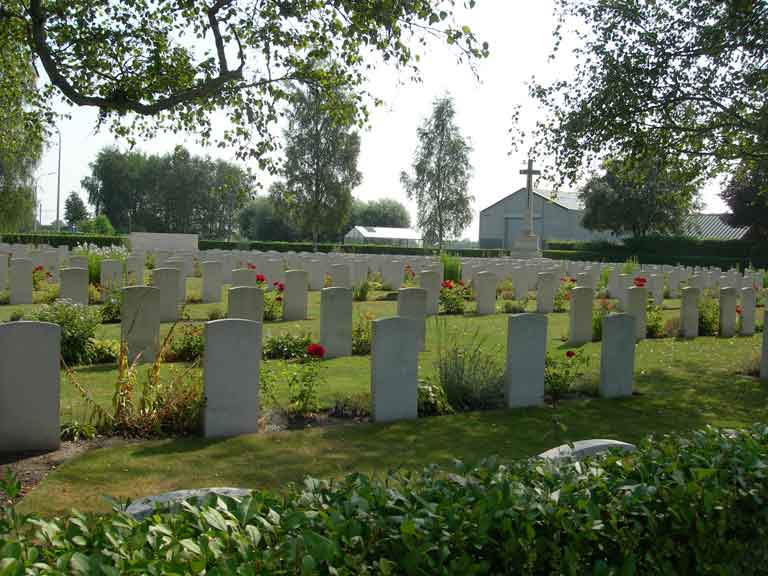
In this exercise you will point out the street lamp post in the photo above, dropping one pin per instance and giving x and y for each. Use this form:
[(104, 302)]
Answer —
[(58, 187)]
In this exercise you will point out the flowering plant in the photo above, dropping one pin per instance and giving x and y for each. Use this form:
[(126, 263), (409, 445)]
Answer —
[(563, 294), (561, 373), (453, 296), (273, 300), (40, 277), (315, 351), (251, 266), (640, 281), (604, 308), (409, 276), (260, 279)]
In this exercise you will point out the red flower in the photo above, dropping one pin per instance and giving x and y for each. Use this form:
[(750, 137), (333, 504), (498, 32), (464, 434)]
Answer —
[(260, 278), (251, 266), (275, 283), (280, 286), (570, 354), (640, 281), (38, 268), (447, 284), (315, 350), (738, 309)]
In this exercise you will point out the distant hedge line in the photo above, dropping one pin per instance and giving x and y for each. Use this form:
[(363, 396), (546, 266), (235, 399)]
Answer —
[(694, 504), (70, 240)]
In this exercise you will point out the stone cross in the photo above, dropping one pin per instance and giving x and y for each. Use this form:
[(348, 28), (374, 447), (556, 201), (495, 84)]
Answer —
[(529, 173)]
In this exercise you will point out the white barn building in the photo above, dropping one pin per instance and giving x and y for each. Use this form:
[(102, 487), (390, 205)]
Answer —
[(383, 235)]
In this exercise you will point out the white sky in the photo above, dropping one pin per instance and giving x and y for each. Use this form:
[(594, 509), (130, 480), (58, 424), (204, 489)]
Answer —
[(520, 38)]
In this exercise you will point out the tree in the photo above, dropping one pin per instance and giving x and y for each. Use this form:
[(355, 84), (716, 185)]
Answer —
[(320, 169), (747, 196), (74, 209), (171, 64), (259, 221), (683, 76), (386, 212), (441, 176), (640, 196), (99, 224)]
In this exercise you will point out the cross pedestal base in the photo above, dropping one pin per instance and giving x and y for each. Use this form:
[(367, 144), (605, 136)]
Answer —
[(526, 246)]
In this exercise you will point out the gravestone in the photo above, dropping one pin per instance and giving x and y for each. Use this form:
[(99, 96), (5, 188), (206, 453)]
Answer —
[(336, 321), (78, 261), (295, 295), (50, 261), (656, 283), (212, 280), (585, 448), (359, 272), (134, 267), (274, 270), (392, 273), (747, 316), (485, 288), (394, 369), (231, 377), (545, 293), (764, 354), (526, 353), (429, 280), (140, 322), (519, 284), (167, 281), (580, 316), (637, 300), (21, 281), (74, 285), (689, 312), (412, 303), (341, 276), (4, 258), (243, 277), (181, 280), (617, 356), (29, 386), (316, 271), (246, 303), (727, 312), (111, 275)]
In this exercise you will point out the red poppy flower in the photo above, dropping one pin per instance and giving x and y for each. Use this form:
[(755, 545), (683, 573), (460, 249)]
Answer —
[(275, 283), (447, 284), (315, 350), (260, 278), (640, 282), (280, 286), (251, 266), (570, 354), (738, 309), (38, 268)]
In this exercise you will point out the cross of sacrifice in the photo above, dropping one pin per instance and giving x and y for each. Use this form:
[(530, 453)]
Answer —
[(529, 173)]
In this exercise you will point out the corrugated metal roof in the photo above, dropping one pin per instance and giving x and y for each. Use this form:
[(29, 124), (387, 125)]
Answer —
[(564, 199), (388, 233), (712, 226)]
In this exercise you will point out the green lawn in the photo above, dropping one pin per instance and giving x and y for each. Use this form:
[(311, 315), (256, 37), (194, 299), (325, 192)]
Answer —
[(680, 384)]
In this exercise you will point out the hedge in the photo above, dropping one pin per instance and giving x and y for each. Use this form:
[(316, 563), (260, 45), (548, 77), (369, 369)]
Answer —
[(70, 240), (679, 505)]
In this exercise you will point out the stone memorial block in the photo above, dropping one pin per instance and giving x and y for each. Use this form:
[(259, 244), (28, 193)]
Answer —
[(689, 312), (617, 356), (316, 271), (246, 303), (188, 268), (520, 284), (134, 269), (4, 259), (341, 276), (637, 301), (274, 270), (21, 281), (295, 295), (111, 275), (430, 281), (394, 369), (167, 281), (359, 272), (50, 262), (140, 322), (78, 261), (243, 277), (747, 315), (585, 448), (526, 353), (485, 289), (624, 282), (764, 354), (656, 284), (336, 321), (727, 312), (412, 303), (231, 377), (581, 315), (212, 280), (392, 273), (181, 281), (74, 285), (29, 386), (467, 272), (545, 292)]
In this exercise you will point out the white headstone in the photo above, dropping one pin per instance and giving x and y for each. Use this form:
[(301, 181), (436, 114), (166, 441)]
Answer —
[(295, 295), (412, 303), (212, 280), (246, 302), (689, 312), (617, 356), (336, 321), (243, 277), (140, 322), (747, 316), (526, 354), (581, 315), (78, 261), (167, 280), (485, 289), (111, 275), (21, 281), (429, 280), (764, 354), (341, 276), (727, 312), (74, 285), (4, 258), (545, 292), (637, 301), (134, 268), (394, 369), (274, 270)]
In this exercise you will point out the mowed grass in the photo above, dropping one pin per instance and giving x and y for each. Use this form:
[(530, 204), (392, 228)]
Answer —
[(680, 384)]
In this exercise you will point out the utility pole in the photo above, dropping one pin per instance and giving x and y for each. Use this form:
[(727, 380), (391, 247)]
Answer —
[(58, 187)]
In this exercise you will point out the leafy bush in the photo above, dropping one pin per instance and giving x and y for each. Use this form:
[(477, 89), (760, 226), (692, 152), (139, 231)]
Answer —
[(451, 267), (215, 314), (47, 294), (78, 326), (76, 431), (604, 308), (360, 292), (563, 294), (362, 335), (273, 304), (453, 297), (654, 319), (709, 317), (286, 346), (562, 373), (432, 400), (103, 351), (5, 297), (693, 504), (113, 302), (514, 307), (94, 294), (297, 381), (189, 346), (16, 315)]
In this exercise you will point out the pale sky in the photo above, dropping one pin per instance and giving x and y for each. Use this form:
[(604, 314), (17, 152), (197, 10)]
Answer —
[(520, 38)]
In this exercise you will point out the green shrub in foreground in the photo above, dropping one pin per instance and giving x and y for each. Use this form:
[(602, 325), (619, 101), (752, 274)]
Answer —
[(78, 326), (679, 505)]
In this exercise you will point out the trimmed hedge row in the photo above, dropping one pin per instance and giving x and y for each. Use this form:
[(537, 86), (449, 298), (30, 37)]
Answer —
[(679, 505), (672, 259), (70, 240)]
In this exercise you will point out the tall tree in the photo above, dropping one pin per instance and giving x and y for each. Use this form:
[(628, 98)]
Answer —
[(259, 221), (640, 196), (74, 209), (747, 196), (320, 169), (171, 63), (684, 76), (441, 173), (385, 212)]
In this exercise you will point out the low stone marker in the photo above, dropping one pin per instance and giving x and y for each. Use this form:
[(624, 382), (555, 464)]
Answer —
[(111, 275), (747, 312), (519, 284), (74, 285), (295, 295), (246, 302), (689, 312), (167, 280), (392, 273), (727, 312), (580, 315), (274, 270), (243, 277), (637, 301), (140, 322), (29, 386), (336, 321), (764, 354), (134, 269), (171, 501), (181, 281), (316, 271), (21, 281), (213, 273), (584, 448), (485, 288), (394, 369), (412, 303), (617, 356), (78, 261), (526, 353), (656, 283), (429, 280), (341, 276), (545, 292), (231, 377)]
